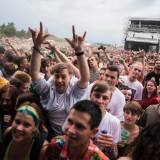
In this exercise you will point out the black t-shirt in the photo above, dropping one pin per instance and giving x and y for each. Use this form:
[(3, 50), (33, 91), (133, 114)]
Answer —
[(153, 75)]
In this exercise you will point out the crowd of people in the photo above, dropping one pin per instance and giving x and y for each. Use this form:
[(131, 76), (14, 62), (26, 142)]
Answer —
[(72, 100)]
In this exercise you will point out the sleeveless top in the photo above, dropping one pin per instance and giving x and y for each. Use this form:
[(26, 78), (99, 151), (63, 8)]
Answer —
[(27, 157)]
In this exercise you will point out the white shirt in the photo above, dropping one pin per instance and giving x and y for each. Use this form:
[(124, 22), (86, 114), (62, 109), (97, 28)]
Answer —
[(57, 105), (116, 105), (112, 125), (136, 87)]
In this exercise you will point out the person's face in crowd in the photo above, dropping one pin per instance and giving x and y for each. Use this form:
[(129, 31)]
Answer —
[(25, 87), (150, 69), (62, 80), (102, 99), (1, 58), (121, 69), (116, 62), (23, 127), (136, 70), (150, 87), (70, 58), (46, 69), (111, 77), (157, 65), (127, 94), (7, 104), (130, 117), (145, 69), (24, 63), (101, 75), (93, 62), (4, 59), (78, 130)]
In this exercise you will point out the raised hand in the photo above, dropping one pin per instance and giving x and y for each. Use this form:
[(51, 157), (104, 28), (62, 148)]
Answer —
[(77, 43), (38, 37), (50, 46), (7, 41)]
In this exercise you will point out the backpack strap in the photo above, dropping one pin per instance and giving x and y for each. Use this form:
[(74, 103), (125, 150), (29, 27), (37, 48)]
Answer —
[(37, 145)]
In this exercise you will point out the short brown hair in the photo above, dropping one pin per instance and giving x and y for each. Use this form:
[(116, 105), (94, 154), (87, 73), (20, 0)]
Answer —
[(101, 87), (60, 66), (134, 107)]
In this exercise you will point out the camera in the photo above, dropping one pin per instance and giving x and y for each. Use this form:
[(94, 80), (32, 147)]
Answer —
[(101, 47)]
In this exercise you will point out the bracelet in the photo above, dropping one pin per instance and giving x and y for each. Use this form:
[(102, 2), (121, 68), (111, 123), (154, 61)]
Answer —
[(79, 54), (38, 50)]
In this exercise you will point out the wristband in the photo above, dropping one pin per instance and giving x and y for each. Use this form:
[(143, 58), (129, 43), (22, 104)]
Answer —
[(38, 50), (79, 54)]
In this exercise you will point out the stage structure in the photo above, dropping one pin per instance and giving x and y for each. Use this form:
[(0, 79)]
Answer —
[(143, 33)]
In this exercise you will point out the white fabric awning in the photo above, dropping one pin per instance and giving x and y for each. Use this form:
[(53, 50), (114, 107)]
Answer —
[(144, 40)]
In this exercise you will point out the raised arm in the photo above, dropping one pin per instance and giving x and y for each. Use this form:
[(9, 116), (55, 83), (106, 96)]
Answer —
[(64, 58), (77, 43), (125, 66), (38, 38), (107, 57), (14, 49)]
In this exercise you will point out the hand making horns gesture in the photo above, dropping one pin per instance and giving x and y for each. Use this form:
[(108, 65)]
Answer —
[(77, 43), (38, 37)]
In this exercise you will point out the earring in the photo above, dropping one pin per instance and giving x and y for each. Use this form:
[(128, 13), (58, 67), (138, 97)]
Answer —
[(36, 133)]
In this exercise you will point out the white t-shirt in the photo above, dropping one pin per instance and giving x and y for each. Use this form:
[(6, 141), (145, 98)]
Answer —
[(136, 87), (112, 125), (57, 105), (116, 105)]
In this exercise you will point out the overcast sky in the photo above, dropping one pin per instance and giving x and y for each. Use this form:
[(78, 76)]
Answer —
[(104, 20)]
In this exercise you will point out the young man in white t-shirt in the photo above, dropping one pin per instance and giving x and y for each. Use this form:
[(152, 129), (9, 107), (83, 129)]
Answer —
[(117, 102), (101, 95), (132, 82)]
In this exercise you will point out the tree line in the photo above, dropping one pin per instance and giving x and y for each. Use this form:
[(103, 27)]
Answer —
[(9, 30)]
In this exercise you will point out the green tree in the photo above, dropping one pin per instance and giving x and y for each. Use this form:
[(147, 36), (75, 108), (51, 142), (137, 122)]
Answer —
[(21, 33), (10, 30), (1, 29), (28, 34)]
